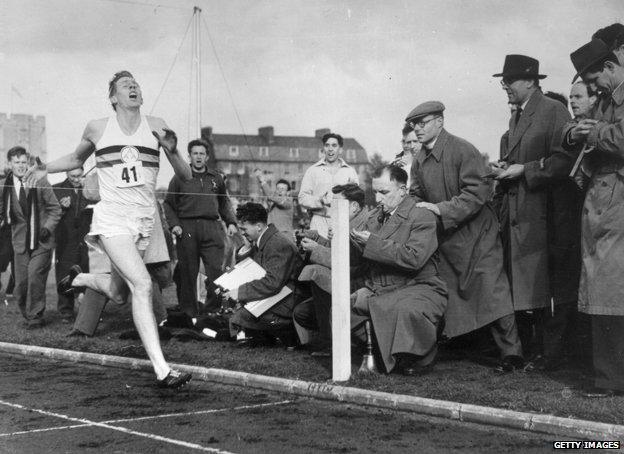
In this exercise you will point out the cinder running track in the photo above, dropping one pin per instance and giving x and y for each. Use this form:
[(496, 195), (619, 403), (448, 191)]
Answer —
[(56, 407)]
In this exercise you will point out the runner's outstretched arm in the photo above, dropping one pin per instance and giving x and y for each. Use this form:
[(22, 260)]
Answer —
[(68, 162)]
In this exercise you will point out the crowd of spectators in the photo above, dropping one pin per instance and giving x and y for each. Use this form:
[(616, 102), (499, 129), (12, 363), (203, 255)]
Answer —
[(526, 250)]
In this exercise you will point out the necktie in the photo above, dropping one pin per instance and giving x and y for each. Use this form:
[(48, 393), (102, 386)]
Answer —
[(383, 217), (22, 198), (518, 114)]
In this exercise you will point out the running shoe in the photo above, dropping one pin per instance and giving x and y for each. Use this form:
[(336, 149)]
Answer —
[(174, 380)]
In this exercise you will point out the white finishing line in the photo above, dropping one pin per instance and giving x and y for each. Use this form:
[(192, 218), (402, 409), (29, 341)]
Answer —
[(107, 424)]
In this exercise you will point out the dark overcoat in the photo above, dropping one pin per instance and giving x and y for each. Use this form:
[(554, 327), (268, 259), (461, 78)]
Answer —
[(404, 296), (540, 211), (471, 254)]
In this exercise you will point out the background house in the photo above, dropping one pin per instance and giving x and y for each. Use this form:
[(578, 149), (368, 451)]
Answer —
[(286, 157)]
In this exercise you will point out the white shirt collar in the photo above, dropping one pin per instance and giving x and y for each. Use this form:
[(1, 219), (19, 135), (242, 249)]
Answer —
[(17, 182)]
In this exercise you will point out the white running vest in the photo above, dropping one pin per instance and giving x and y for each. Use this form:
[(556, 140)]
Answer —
[(127, 165)]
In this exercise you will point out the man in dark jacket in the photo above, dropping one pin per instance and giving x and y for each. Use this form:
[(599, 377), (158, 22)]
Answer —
[(193, 210), (33, 214), (539, 208), (72, 228), (279, 257)]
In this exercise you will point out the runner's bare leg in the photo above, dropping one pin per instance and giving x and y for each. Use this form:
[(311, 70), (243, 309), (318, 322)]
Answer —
[(110, 284), (127, 260)]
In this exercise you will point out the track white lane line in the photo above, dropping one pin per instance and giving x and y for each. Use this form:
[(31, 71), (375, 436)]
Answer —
[(118, 429), (46, 429), (200, 412), (144, 418)]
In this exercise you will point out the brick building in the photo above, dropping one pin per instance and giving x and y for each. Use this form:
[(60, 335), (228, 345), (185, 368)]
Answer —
[(286, 157)]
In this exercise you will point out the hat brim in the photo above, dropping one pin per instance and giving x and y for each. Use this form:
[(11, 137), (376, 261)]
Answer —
[(414, 117), (523, 75), (589, 65)]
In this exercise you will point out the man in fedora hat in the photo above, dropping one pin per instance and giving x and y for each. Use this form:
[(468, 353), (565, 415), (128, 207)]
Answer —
[(448, 179), (536, 205), (601, 291)]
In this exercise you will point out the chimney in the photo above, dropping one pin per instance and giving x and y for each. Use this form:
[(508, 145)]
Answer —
[(319, 133), (267, 134), (206, 134)]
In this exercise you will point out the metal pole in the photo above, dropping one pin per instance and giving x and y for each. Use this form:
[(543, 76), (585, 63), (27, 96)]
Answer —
[(197, 13), (341, 307)]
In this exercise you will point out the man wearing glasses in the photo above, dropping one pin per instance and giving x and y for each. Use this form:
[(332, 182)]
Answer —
[(448, 179), (537, 210)]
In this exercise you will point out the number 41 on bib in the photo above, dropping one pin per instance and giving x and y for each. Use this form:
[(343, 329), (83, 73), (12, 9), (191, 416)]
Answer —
[(129, 174)]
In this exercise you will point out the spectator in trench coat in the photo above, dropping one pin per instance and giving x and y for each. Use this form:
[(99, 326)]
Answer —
[(404, 297), (538, 209), (601, 289), (448, 179)]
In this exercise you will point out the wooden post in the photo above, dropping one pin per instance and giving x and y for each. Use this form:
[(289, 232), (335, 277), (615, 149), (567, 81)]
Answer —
[(341, 307)]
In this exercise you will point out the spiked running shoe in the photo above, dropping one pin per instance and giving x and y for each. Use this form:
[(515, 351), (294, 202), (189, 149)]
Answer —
[(174, 380)]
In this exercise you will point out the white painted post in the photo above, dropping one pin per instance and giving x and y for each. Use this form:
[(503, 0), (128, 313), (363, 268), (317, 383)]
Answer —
[(341, 307)]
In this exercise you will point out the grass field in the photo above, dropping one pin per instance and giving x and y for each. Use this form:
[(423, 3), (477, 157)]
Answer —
[(453, 378)]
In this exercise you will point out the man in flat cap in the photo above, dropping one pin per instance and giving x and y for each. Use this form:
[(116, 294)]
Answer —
[(538, 206), (601, 288), (448, 179)]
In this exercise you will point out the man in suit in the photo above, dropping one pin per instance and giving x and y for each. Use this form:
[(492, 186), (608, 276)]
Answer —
[(70, 232), (539, 211), (279, 256), (448, 179), (404, 297), (33, 214)]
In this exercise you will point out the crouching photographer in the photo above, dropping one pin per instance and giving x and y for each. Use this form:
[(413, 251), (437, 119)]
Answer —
[(279, 257), (315, 314)]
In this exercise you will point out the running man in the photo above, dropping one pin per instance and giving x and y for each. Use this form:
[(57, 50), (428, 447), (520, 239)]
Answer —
[(127, 158)]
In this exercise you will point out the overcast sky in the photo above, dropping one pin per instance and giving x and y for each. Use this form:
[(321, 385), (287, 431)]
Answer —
[(357, 67)]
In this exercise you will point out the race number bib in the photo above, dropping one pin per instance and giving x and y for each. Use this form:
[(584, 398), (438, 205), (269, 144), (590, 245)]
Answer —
[(129, 174)]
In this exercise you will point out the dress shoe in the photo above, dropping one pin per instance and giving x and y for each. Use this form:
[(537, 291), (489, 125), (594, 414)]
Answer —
[(412, 365), (187, 334), (511, 363), (416, 371), (596, 392), (174, 380), (544, 364), (77, 333), (64, 286), (255, 342), (288, 338)]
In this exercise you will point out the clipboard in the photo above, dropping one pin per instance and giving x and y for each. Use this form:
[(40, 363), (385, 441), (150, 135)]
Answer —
[(246, 271)]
